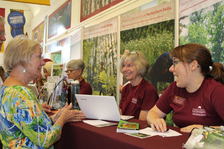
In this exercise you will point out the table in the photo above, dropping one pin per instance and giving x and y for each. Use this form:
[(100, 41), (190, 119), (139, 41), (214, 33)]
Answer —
[(81, 135)]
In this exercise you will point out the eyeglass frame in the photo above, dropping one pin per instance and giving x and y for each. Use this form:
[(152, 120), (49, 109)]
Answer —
[(175, 62), (2, 34), (39, 56), (69, 71)]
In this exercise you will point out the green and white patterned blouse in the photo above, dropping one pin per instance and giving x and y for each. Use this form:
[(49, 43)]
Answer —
[(23, 122)]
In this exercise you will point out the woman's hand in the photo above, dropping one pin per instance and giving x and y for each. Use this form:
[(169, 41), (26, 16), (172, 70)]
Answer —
[(72, 115), (68, 115), (159, 124), (46, 107), (155, 119), (190, 127)]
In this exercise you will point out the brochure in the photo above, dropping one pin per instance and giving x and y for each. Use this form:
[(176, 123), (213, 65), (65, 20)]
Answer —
[(127, 127)]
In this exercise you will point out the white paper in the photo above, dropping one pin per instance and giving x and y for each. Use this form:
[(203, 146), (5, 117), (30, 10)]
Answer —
[(150, 131), (126, 117), (95, 122)]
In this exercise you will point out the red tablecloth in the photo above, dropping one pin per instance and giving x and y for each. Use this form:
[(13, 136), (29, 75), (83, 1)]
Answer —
[(81, 135)]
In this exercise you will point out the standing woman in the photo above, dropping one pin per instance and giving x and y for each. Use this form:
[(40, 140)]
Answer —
[(196, 97), (24, 124), (139, 96)]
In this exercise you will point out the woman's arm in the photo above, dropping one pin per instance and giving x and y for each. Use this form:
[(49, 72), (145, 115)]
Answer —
[(143, 114), (155, 119)]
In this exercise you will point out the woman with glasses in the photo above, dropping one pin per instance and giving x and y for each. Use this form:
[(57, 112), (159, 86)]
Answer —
[(139, 96), (196, 97), (24, 124), (74, 71)]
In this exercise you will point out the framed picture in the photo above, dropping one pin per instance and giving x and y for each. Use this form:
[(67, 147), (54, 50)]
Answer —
[(38, 33), (90, 8), (60, 20)]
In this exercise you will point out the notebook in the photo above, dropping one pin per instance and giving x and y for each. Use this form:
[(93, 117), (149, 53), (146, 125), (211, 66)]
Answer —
[(99, 107)]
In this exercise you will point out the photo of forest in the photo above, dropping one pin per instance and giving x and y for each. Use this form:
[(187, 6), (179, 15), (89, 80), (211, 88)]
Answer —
[(205, 27), (152, 40), (100, 57)]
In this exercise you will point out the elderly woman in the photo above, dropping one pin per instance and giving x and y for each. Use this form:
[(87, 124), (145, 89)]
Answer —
[(139, 96), (24, 124), (196, 97), (74, 71)]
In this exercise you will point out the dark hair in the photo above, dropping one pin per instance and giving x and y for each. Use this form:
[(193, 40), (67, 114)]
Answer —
[(202, 55)]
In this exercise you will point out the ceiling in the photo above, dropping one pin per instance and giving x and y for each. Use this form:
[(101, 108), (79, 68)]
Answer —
[(34, 8)]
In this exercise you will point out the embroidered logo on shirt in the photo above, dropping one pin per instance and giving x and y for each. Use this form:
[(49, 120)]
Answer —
[(178, 100), (198, 111), (134, 100)]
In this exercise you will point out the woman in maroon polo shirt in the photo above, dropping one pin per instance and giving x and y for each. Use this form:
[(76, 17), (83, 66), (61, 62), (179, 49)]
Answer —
[(74, 71), (139, 96), (196, 97)]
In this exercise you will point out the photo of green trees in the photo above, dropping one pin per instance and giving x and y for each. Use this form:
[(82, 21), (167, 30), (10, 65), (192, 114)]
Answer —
[(152, 40), (100, 57), (205, 27)]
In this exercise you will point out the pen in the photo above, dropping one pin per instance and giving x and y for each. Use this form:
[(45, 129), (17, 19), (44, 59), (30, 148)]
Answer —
[(156, 129)]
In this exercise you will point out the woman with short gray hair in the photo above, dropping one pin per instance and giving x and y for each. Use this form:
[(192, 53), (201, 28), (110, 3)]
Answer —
[(74, 71)]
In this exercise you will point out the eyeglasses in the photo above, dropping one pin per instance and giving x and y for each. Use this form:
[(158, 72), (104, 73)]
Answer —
[(39, 56), (2, 34), (134, 52), (69, 71), (175, 62)]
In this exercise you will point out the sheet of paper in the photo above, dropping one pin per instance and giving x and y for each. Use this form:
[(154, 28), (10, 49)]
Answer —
[(169, 133), (99, 123), (126, 117)]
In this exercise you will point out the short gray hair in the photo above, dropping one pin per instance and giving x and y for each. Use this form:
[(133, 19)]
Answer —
[(76, 64), (2, 20)]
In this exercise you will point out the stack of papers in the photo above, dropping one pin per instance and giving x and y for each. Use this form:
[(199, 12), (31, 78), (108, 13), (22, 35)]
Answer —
[(99, 123), (151, 132), (126, 117)]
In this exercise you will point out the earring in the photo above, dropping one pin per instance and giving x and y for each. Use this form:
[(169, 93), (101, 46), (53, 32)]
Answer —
[(24, 70)]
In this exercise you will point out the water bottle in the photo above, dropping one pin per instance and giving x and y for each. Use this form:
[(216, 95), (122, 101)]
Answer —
[(74, 90), (69, 93)]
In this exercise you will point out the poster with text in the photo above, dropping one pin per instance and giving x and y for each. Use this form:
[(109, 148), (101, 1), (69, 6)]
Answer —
[(16, 20), (75, 48), (100, 57), (201, 22), (151, 31)]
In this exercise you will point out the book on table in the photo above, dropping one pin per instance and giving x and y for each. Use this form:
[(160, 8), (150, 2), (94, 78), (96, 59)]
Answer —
[(127, 127)]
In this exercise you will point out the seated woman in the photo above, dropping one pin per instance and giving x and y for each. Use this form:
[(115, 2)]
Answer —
[(24, 124), (74, 71), (196, 97), (139, 96)]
